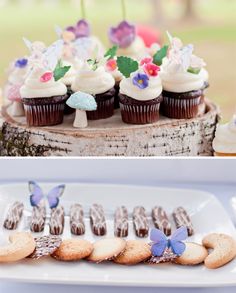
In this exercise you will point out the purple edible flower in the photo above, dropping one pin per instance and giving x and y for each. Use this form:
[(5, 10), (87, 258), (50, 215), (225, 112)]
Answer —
[(141, 80), (123, 35), (21, 63), (81, 29)]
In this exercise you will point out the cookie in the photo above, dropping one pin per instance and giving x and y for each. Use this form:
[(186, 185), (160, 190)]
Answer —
[(140, 221), (77, 225), (121, 224), (97, 220), (167, 256), (38, 219), (182, 218), (57, 221), (107, 249), (161, 221), (14, 215), (21, 245), (224, 250), (194, 254), (45, 246), (136, 251), (73, 249)]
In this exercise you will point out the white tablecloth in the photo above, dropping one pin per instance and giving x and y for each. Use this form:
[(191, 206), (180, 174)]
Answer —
[(223, 192)]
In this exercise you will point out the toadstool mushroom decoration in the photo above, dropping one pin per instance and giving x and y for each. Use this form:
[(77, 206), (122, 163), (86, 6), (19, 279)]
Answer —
[(82, 102)]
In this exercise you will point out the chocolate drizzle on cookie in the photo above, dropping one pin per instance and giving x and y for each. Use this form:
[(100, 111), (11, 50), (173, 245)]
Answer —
[(121, 225), (97, 220), (38, 218), (57, 221), (160, 220), (182, 218), (77, 225), (140, 220), (14, 215)]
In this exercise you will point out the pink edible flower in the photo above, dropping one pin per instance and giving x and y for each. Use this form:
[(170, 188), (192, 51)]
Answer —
[(111, 65), (146, 61), (151, 69), (46, 77)]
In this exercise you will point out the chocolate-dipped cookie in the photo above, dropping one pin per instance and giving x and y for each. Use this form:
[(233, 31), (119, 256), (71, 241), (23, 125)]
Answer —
[(57, 221), (182, 218), (121, 224), (14, 215), (38, 219), (140, 220), (160, 220), (77, 225), (97, 220)]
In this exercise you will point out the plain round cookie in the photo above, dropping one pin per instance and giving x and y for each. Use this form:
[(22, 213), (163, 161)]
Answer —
[(107, 249), (224, 250), (194, 254), (135, 252), (73, 249), (21, 245)]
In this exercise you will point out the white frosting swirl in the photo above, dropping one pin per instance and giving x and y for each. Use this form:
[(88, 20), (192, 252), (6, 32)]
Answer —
[(117, 75), (34, 88), (204, 74), (137, 50), (93, 81), (151, 92), (225, 138), (69, 77)]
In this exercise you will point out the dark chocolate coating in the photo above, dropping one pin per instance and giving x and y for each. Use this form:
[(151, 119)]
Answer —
[(140, 220), (97, 220), (182, 218), (121, 224), (77, 220), (160, 220), (57, 221), (38, 219)]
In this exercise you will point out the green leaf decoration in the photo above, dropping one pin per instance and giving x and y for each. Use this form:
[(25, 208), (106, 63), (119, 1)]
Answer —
[(60, 71), (194, 70), (158, 57), (111, 53), (126, 65)]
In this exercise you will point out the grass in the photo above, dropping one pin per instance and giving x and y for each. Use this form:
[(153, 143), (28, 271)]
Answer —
[(214, 33)]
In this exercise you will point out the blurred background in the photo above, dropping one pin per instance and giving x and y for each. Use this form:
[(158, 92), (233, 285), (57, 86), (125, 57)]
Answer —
[(209, 24)]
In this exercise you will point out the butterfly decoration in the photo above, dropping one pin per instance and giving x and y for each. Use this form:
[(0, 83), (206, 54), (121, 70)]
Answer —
[(175, 243), (37, 195)]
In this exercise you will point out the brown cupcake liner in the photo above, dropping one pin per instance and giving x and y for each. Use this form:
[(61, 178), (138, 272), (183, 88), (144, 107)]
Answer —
[(44, 111), (139, 112), (105, 106), (117, 102), (181, 106)]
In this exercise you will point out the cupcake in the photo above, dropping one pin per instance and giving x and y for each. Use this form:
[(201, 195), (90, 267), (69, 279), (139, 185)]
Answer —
[(129, 43), (182, 82), (17, 75), (140, 91), (93, 79), (43, 98), (224, 143)]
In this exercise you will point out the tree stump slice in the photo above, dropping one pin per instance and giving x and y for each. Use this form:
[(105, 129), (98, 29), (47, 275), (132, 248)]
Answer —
[(111, 137)]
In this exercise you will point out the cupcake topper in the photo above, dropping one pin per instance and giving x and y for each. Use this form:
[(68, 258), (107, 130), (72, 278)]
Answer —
[(160, 243), (52, 197)]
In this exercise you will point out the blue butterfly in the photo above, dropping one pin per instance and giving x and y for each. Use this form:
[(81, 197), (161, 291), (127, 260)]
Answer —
[(160, 242), (37, 194)]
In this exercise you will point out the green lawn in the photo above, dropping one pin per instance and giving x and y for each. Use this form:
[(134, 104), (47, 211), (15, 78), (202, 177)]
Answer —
[(214, 34)]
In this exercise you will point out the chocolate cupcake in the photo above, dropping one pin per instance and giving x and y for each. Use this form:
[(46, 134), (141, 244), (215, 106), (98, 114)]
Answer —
[(140, 92), (43, 98), (94, 80), (182, 82)]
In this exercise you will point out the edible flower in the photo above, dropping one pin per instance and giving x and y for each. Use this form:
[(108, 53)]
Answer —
[(141, 80), (151, 69), (146, 60), (21, 63), (111, 65), (46, 77), (123, 35), (80, 30)]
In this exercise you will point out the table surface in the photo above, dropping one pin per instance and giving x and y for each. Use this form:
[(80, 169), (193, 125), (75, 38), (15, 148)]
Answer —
[(223, 193)]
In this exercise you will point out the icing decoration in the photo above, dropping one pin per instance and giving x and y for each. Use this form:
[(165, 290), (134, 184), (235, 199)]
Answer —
[(123, 35), (80, 30), (160, 242), (21, 63), (82, 101), (141, 80), (146, 60), (14, 93), (111, 65), (46, 77), (37, 195), (160, 55), (127, 65), (60, 71), (68, 36), (151, 69), (111, 53)]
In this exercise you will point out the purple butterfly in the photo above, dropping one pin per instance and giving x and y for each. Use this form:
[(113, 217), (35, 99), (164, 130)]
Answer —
[(37, 194), (81, 29), (160, 242)]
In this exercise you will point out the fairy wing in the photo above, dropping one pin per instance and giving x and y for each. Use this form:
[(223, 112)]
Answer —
[(176, 244), (52, 54), (58, 31), (36, 193), (82, 48), (28, 44), (160, 242), (54, 194)]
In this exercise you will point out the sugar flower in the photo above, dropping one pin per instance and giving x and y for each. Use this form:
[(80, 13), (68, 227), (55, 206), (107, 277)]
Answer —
[(141, 80), (151, 69), (123, 35)]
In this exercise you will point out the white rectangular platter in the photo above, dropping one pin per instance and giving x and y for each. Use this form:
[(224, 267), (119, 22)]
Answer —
[(206, 212)]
